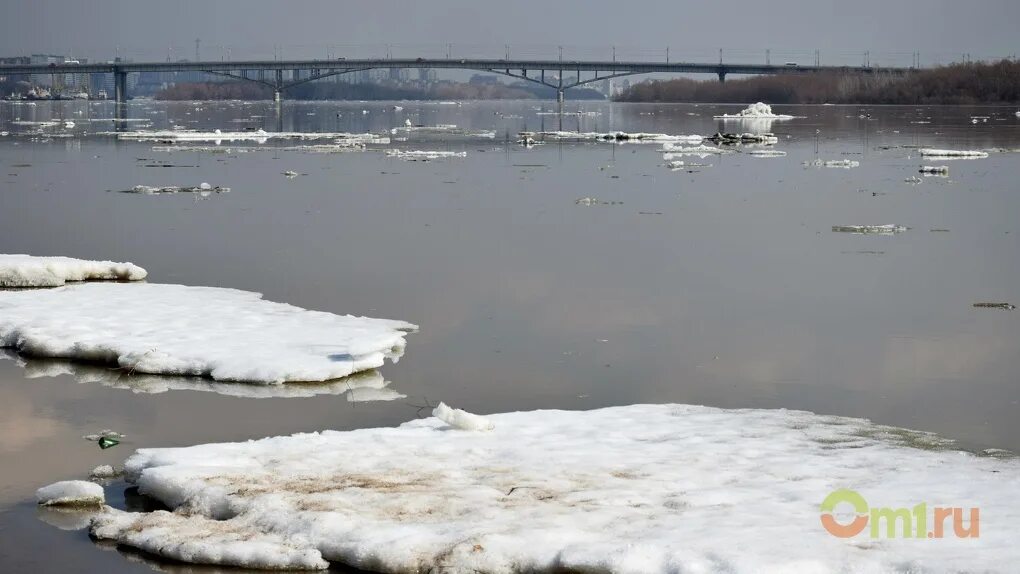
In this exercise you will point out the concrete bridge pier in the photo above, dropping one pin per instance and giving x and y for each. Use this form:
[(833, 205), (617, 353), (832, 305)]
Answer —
[(722, 76), (120, 86)]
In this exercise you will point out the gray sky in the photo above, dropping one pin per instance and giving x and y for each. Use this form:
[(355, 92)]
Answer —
[(641, 29)]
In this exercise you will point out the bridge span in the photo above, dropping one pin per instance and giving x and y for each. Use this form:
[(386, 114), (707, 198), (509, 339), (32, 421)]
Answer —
[(548, 73)]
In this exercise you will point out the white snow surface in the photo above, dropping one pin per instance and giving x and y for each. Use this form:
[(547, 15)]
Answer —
[(71, 493), (34, 271), (754, 111), (638, 489), (225, 334)]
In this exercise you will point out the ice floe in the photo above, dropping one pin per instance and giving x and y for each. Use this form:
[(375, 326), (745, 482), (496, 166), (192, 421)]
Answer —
[(754, 111), (35, 271), (201, 189), (934, 170), (71, 493), (869, 229), (738, 139), (636, 137), (423, 155), (224, 334), (441, 129), (363, 386), (953, 153), (644, 488)]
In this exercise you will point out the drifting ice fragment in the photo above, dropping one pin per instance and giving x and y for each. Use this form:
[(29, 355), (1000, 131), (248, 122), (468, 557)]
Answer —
[(71, 493), (461, 419), (32, 271), (840, 163), (869, 229), (637, 137), (643, 488), (419, 155), (225, 334), (1004, 306), (934, 169), (953, 153), (203, 189)]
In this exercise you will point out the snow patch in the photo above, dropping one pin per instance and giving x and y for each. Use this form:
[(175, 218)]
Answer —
[(33, 271), (225, 334)]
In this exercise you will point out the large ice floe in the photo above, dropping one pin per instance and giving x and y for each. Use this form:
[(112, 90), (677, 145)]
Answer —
[(754, 111), (645, 488), (636, 137), (224, 334), (34, 271), (890, 229), (423, 155), (203, 189)]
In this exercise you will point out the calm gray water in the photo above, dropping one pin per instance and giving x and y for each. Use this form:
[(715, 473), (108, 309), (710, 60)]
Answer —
[(723, 287)]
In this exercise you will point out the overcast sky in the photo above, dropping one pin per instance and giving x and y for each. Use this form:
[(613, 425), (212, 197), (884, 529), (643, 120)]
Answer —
[(238, 29)]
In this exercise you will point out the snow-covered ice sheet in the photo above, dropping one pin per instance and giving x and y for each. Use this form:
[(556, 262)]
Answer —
[(757, 110), (363, 386), (34, 271), (645, 488), (71, 493), (225, 334)]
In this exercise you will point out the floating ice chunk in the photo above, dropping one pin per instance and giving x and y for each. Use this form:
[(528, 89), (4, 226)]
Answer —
[(644, 488), (748, 138), (104, 472), (934, 170), (225, 334), (702, 151), (839, 163), (71, 493), (636, 137), (754, 111), (953, 153), (258, 136), (423, 155), (68, 124), (201, 189), (32, 271), (869, 229), (913, 180), (198, 540), (460, 419), (767, 153)]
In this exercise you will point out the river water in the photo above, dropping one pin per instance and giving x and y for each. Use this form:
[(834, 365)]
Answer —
[(721, 284)]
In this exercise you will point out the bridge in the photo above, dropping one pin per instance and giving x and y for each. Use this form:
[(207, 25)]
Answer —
[(549, 73)]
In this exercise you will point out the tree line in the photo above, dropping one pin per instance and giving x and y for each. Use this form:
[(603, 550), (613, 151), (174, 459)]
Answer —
[(970, 83)]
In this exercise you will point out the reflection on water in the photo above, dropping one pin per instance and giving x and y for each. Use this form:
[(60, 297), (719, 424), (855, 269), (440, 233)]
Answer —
[(722, 286), (359, 387)]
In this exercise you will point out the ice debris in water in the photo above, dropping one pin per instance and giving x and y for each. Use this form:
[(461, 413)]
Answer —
[(1003, 306), (258, 136), (754, 111), (637, 137), (738, 139), (953, 153), (36, 271), (672, 151), (104, 472), (840, 163), (225, 334), (201, 189), (934, 170), (590, 201), (767, 153), (643, 488), (869, 229), (423, 155), (79, 493), (461, 419)]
